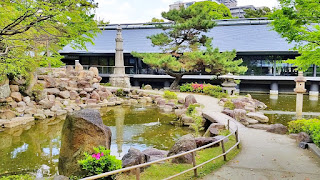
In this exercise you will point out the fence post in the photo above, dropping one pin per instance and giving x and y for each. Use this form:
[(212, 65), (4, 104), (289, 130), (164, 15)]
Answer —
[(138, 174), (228, 124), (237, 138), (223, 151), (194, 163)]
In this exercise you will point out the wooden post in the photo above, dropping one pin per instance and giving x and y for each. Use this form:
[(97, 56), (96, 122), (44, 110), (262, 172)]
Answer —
[(237, 138), (138, 174), (228, 124), (194, 163), (223, 151)]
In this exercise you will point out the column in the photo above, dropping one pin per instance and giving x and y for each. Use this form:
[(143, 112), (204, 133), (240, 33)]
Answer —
[(314, 91)]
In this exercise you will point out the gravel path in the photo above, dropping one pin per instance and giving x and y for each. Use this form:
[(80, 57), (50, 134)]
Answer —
[(264, 155)]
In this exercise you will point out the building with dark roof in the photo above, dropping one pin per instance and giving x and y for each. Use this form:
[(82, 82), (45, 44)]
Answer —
[(261, 49)]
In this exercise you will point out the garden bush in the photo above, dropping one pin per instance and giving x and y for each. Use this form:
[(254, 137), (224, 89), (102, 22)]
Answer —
[(120, 92), (170, 95), (208, 89), (100, 162), (229, 105), (311, 127)]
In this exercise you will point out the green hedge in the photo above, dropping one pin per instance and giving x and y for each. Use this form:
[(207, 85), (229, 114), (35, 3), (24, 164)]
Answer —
[(208, 89), (311, 127)]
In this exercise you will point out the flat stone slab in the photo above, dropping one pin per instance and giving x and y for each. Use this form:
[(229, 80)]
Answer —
[(15, 122)]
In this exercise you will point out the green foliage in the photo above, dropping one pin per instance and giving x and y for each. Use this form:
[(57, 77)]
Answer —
[(261, 12), (106, 84), (229, 105), (156, 20), (120, 92), (192, 109), (32, 32), (18, 177), (208, 89), (100, 162), (298, 21), (311, 127), (182, 41), (170, 95)]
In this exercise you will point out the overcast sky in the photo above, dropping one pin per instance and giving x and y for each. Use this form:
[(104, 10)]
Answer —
[(137, 11)]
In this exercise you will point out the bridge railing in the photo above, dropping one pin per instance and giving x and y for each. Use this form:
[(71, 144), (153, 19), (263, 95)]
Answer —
[(234, 131)]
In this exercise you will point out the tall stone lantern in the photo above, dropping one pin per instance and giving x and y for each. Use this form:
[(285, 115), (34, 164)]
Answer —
[(229, 85), (300, 90), (119, 78)]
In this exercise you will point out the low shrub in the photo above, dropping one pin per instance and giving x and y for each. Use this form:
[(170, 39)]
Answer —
[(229, 105), (170, 95), (100, 162), (192, 109), (311, 127), (208, 89), (106, 84), (120, 92)]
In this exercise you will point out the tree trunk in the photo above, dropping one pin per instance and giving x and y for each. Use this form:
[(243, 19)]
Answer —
[(176, 81)]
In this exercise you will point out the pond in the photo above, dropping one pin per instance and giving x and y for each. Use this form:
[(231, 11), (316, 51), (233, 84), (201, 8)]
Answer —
[(35, 148), (283, 109)]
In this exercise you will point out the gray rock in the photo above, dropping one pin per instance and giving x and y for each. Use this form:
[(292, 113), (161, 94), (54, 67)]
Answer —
[(14, 88), (16, 96), (53, 91), (64, 94), (202, 141), (190, 99), (7, 114), (39, 116), (258, 116), (239, 114), (5, 89), (278, 129), (184, 144), (133, 157), (148, 87), (46, 104), (180, 112), (252, 121), (229, 112), (260, 126), (26, 99), (304, 137), (153, 154), (81, 131)]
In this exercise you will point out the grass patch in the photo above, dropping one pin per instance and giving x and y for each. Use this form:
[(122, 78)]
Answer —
[(161, 171)]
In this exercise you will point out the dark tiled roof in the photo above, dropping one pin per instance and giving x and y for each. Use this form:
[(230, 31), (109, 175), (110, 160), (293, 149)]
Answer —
[(242, 38)]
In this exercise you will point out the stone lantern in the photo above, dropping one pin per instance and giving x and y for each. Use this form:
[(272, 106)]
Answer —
[(229, 86), (300, 90)]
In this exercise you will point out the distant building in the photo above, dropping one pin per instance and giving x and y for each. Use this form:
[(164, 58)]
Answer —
[(239, 11), (179, 4), (228, 3)]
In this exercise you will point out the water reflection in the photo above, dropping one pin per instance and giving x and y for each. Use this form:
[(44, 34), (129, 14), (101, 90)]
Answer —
[(35, 147), (283, 109)]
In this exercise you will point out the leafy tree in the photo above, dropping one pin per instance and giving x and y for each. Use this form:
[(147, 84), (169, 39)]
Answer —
[(298, 22), (32, 32), (181, 43), (261, 12), (155, 20)]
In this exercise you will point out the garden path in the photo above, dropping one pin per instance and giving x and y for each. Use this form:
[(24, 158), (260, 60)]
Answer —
[(264, 155)]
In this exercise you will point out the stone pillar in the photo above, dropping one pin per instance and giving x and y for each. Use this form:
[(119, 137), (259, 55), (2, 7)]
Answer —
[(274, 88), (314, 91), (119, 78), (300, 90), (314, 70), (119, 128)]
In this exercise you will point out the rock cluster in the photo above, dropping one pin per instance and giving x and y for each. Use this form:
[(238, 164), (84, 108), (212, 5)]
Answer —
[(246, 110)]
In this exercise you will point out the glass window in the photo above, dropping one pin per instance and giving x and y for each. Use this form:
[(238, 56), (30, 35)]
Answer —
[(84, 60), (103, 61), (94, 60), (111, 61)]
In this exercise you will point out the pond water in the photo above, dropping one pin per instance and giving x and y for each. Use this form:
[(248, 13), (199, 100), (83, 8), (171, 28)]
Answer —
[(35, 147), (283, 109)]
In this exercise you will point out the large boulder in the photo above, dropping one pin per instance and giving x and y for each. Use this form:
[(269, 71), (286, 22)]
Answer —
[(202, 141), (184, 144), (214, 129), (239, 114), (259, 117), (133, 157), (153, 154), (64, 94), (190, 99), (278, 129), (81, 131)]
